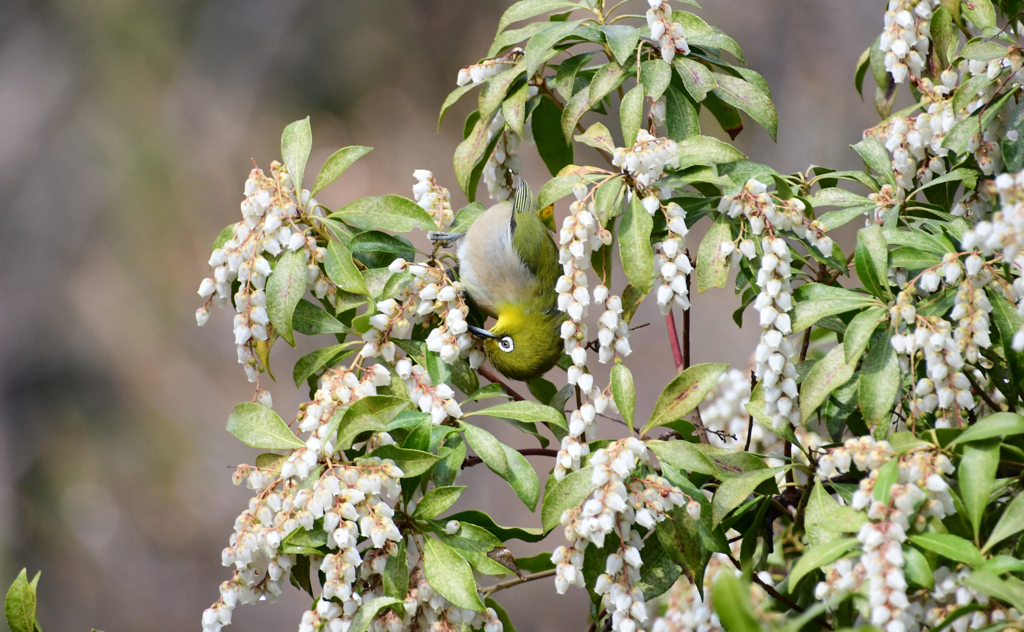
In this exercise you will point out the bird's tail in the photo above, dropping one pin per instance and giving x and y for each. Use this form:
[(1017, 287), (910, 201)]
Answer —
[(523, 202)]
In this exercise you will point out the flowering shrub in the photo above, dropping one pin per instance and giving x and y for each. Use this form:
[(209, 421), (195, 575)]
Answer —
[(864, 470)]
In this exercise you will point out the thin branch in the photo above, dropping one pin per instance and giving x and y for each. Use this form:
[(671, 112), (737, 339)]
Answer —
[(686, 316), (779, 596), (673, 339), (515, 582), (750, 419), (475, 460), (484, 371), (981, 392)]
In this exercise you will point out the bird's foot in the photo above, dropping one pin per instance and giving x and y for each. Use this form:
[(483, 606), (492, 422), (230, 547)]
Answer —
[(444, 239)]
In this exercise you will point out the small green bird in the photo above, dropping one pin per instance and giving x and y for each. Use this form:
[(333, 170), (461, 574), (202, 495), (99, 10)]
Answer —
[(508, 263)]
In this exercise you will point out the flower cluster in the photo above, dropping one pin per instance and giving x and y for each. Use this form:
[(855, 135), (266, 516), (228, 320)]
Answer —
[(1003, 233), (724, 410), (905, 38), (479, 73), (620, 499), (921, 491), (950, 594), (647, 158), (351, 500), (275, 219), (686, 611), (433, 198), (672, 263), (668, 34), (437, 401)]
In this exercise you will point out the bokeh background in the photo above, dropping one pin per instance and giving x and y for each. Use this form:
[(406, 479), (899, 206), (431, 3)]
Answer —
[(127, 128)]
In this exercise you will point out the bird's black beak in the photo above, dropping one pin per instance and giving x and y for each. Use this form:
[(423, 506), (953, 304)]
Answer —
[(481, 333)]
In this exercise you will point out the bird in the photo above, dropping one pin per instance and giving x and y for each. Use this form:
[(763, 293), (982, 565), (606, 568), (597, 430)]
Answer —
[(508, 264)]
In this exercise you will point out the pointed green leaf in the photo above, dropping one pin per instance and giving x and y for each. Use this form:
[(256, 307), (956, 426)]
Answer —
[(950, 546), (296, 141), (473, 543), (489, 449), (624, 392), (705, 150), (827, 374), (730, 597), (622, 39), (412, 462), (1010, 523), (814, 301), (655, 76), (311, 362), (877, 158), (20, 604), (437, 501), (553, 147), (450, 575), (859, 331), (684, 394), (369, 611), (749, 97), (524, 411), (597, 136), (635, 245), (631, 114), (367, 414), (312, 320), (880, 381), (697, 78), (341, 270), (977, 475), (337, 164), (733, 491), (285, 288), (395, 577), (563, 495), (814, 557), (525, 9), (681, 124), (713, 258), (522, 478), (257, 426), (995, 425), (386, 212)]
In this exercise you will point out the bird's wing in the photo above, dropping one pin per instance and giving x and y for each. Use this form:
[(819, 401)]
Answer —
[(534, 244)]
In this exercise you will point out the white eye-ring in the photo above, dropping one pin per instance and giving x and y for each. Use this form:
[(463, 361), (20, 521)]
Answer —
[(506, 344)]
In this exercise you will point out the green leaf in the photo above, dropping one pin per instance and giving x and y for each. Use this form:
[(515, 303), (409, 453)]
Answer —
[(731, 600), (437, 501), (705, 150), (575, 108), (733, 491), (912, 258), (834, 196), (337, 164), (527, 411), (817, 515), (655, 76), (556, 188), (871, 260), (474, 543), (704, 35), (503, 533), (412, 462), (537, 48), (721, 463), (712, 258), (879, 382), (1010, 523), (697, 78), (1008, 322), (526, 9), (987, 583), (814, 557), (386, 212), (981, 13), (396, 573), (452, 99), (1013, 150), (827, 374), (679, 536), (369, 611), (684, 393), (522, 477), (285, 288), (608, 200), (635, 245), (563, 495), (489, 449), (312, 320), (547, 133), (624, 392), (597, 136), (494, 90), (859, 331), (257, 426), (341, 270), (682, 124), (949, 546), (303, 542), (750, 98), (450, 575), (296, 141), (875, 156), (605, 80), (958, 137), (20, 603), (311, 362), (513, 108), (983, 51), (995, 425), (367, 414), (977, 475), (565, 78), (466, 216), (917, 569), (622, 39), (658, 572), (506, 621), (631, 114), (814, 301)]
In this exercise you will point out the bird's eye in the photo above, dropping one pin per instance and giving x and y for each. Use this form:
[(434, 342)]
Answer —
[(506, 345)]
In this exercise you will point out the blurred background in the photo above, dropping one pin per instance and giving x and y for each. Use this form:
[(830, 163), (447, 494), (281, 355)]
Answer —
[(127, 129)]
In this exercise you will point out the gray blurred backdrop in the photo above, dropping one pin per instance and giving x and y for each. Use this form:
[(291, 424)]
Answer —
[(127, 128)]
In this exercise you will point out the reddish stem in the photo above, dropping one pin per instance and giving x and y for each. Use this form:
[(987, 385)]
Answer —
[(484, 371), (673, 338)]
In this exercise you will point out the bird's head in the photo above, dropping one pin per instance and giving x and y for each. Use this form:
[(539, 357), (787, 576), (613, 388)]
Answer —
[(523, 344)]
